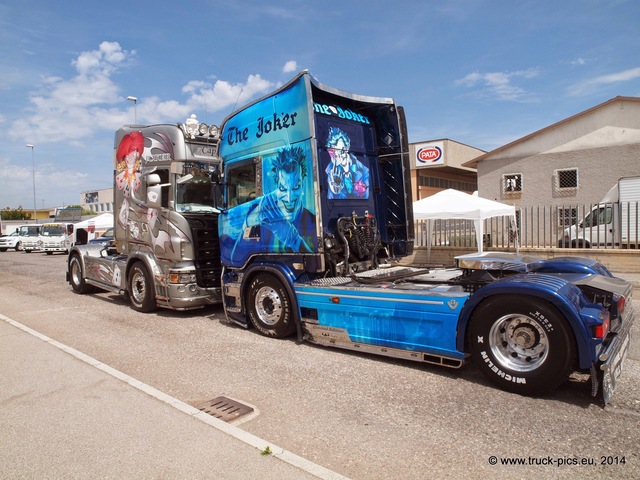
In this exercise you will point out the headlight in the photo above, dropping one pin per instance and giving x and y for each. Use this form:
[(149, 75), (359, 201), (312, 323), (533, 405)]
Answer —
[(191, 126), (182, 277)]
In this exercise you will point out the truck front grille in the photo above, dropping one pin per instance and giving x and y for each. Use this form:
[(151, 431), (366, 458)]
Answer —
[(206, 250)]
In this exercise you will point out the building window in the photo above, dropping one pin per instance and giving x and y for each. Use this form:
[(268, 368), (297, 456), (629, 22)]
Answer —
[(566, 179), (437, 182), (512, 184), (567, 216)]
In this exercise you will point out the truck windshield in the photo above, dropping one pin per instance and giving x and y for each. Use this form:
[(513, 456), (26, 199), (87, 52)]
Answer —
[(31, 231), (53, 230), (194, 193)]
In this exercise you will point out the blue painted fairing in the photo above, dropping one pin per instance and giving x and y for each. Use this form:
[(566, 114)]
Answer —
[(569, 265), (424, 320)]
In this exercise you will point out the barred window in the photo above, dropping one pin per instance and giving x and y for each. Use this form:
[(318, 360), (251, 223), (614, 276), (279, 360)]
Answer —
[(567, 216), (566, 179), (512, 183)]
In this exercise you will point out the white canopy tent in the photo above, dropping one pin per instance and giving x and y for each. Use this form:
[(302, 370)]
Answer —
[(93, 226), (453, 204)]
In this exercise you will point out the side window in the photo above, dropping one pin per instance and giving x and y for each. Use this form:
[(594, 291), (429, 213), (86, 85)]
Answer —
[(166, 191), (604, 217), (244, 182)]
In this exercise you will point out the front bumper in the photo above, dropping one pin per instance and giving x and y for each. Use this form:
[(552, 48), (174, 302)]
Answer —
[(612, 359), (187, 296)]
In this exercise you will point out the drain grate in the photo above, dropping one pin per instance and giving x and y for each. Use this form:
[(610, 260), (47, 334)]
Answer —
[(224, 408)]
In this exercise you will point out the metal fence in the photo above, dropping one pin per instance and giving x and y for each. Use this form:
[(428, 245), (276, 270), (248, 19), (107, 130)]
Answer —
[(610, 225)]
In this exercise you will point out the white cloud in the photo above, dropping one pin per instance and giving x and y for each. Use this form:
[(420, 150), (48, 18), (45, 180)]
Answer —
[(222, 94), (73, 109), (499, 84), (589, 86), (290, 66)]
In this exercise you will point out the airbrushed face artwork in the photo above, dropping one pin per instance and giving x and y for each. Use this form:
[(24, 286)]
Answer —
[(133, 211), (290, 172), (128, 160), (287, 225), (348, 177)]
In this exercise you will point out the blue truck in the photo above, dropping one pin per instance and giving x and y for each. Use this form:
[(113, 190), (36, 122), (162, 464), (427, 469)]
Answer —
[(316, 217)]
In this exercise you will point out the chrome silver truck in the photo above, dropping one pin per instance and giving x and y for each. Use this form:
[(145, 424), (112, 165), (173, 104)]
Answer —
[(165, 252)]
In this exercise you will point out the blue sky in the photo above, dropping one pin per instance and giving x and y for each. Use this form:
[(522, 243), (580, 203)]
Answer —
[(483, 73)]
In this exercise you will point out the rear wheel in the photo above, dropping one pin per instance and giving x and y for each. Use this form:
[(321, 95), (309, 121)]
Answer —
[(76, 277), (521, 344), (269, 307), (141, 288)]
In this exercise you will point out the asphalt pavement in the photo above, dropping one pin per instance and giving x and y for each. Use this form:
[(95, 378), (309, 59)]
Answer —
[(66, 415)]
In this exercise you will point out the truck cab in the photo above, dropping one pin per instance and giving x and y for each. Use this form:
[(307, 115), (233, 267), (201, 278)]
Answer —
[(29, 236), (613, 222), (55, 237), (316, 183), (165, 252), (599, 227)]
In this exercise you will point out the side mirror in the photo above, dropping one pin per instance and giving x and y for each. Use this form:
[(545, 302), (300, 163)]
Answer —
[(154, 196), (153, 179), (215, 177)]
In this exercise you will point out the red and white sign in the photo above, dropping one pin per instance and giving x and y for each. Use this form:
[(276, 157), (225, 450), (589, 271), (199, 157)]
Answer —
[(429, 154)]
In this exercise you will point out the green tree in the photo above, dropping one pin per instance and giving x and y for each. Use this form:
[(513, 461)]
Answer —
[(14, 214)]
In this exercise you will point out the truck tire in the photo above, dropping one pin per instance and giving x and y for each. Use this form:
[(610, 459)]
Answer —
[(141, 289), (522, 344), (269, 307), (76, 277), (18, 246), (3, 249)]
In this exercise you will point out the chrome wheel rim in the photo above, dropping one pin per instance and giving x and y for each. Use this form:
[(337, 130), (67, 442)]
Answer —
[(138, 287), (268, 306), (76, 272), (519, 343)]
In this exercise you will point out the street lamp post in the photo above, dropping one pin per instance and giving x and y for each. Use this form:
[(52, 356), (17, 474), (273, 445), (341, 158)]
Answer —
[(135, 108), (33, 159)]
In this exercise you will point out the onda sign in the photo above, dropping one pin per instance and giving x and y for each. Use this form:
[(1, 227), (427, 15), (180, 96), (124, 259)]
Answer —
[(429, 154)]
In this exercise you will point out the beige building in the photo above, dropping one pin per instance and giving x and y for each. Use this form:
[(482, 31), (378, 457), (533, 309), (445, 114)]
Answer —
[(438, 164), (98, 201), (574, 161)]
